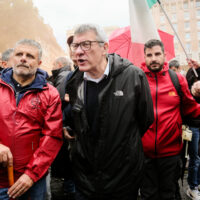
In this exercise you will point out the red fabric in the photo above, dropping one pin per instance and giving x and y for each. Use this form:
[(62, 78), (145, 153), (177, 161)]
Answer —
[(120, 43), (32, 130), (163, 137)]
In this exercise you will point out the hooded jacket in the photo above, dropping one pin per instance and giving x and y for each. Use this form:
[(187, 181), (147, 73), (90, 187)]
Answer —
[(109, 163), (59, 79), (31, 126), (163, 138)]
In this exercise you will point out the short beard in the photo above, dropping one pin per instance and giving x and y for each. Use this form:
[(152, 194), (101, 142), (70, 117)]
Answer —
[(24, 75), (155, 69)]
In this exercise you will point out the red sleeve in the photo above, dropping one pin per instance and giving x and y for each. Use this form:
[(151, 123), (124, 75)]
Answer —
[(50, 141)]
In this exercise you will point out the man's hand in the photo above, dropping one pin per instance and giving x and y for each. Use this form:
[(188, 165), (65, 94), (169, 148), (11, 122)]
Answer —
[(66, 98), (21, 186), (6, 157), (192, 63), (195, 90), (67, 135)]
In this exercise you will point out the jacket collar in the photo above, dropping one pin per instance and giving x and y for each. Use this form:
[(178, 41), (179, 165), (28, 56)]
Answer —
[(38, 83), (162, 72)]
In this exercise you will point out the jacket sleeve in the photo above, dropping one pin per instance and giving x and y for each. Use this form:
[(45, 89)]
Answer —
[(50, 141), (190, 107), (191, 79), (145, 111)]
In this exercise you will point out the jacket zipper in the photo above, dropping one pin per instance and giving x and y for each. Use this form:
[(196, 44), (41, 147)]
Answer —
[(156, 114)]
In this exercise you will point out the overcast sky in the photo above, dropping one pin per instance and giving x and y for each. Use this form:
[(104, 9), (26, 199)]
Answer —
[(62, 15)]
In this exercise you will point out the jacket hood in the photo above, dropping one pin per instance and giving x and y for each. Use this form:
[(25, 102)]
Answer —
[(55, 72), (118, 64), (147, 71), (38, 83)]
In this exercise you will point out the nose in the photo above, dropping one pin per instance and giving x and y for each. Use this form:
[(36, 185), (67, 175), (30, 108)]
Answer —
[(78, 51), (23, 58), (153, 57)]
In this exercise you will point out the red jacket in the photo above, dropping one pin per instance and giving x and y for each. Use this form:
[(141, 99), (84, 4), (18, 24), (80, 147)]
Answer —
[(30, 127), (163, 137)]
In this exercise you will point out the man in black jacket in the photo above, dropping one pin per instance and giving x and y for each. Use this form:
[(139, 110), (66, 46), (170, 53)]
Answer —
[(111, 108), (194, 161), (61, 68)]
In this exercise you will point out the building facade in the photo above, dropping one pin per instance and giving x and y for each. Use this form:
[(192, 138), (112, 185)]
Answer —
[(185, 18)]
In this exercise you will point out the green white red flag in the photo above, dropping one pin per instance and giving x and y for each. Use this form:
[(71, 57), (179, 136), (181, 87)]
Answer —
[(142, 24), (151, 2)]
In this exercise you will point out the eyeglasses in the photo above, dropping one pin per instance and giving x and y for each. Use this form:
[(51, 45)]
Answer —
[(85, 45)]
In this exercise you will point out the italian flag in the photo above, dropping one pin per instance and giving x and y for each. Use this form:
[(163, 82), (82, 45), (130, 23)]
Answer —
[(151, 2), (129, 41), (142, 24), (143, 29)]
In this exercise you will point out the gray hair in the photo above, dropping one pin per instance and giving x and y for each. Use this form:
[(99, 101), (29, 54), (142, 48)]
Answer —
[(153, 42), (7, 54), (65, 62), (31, 43), (100, 33), (174, 63)]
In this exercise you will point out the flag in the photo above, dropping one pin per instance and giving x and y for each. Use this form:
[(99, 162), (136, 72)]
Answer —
[(142, 24), (151, 2), (121, 44), (143, 29)]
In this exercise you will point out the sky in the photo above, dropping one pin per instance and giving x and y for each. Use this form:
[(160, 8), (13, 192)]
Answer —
[(63, 15)]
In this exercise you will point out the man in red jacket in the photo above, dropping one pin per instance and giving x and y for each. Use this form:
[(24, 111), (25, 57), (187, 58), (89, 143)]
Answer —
[(162, 142), (31, 124)]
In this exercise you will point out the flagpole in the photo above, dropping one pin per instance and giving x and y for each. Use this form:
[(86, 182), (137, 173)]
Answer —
[(194, 70)]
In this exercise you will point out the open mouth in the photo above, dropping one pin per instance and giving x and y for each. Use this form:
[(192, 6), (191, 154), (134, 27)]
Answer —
[(81, 61)]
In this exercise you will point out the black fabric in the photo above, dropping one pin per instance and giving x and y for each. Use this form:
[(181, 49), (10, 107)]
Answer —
[(110, 164), (58, 80), (194, 122), (159, 181), (17, 86), (191, 79), (92, 102), (61, 166)]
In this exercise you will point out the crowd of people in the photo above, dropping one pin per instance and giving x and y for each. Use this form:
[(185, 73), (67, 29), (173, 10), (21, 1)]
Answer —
[(110, 130)]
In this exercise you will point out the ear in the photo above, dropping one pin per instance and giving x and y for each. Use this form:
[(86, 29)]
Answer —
[(105, 46), (4, 64), (40, 62)]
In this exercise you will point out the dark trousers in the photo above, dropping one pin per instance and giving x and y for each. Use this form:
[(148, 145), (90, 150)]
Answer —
[(160, 178), (80, 196)]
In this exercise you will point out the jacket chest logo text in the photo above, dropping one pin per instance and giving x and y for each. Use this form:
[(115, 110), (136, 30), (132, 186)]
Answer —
[(172, 93), (119, 93)]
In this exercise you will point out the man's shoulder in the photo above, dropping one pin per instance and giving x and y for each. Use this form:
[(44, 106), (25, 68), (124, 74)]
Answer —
[(51, 90)]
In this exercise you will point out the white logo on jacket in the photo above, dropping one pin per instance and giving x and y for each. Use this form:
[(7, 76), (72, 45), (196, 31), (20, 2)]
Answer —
[(119, 93)]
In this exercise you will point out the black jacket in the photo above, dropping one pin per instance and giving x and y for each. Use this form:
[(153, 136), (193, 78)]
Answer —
[(109, 164), (191, 79), (58, 79)]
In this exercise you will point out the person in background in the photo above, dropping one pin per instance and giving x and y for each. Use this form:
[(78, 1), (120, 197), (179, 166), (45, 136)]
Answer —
[(194, 159), (174, 65), (71, 54), (110, 110), (162, 143), (31, 124), (7, 58), (61, 68), (61, 166), (1, 67)]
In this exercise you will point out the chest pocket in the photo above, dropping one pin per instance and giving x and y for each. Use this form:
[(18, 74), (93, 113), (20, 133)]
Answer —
[(33, 106)]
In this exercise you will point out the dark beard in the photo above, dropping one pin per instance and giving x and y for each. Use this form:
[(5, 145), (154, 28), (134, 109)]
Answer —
[(155, 69)]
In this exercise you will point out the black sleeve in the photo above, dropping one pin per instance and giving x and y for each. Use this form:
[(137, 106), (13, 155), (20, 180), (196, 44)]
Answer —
[(145, 111), (191, 79)]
